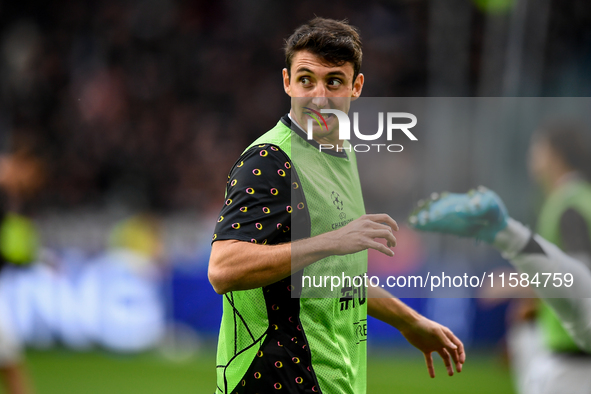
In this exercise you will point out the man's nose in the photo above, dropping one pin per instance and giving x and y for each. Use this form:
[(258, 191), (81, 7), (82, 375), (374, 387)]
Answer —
[(320, 100)]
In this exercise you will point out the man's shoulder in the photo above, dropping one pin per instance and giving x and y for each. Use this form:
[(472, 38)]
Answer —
[(573, 194), (264, 161), (262, 153), (279, 136)]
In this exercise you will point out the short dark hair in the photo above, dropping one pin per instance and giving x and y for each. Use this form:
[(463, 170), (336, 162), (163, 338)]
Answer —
[(570, 140), (336, 42)]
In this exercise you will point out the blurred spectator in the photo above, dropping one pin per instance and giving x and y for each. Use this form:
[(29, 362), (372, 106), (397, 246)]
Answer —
[(121, 95), (20, 177)]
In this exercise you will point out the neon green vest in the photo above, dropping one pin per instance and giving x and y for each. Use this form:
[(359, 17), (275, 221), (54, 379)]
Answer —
[(575, 195), (19, 240), (334, 324)]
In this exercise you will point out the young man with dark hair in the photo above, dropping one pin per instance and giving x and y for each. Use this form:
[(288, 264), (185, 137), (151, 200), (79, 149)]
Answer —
[(283, 219)]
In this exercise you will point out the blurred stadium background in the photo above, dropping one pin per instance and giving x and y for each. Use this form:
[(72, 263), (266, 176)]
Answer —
[(127, 116)]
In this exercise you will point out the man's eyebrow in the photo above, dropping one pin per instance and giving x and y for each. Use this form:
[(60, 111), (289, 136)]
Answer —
[(337, 73), (304, 70), (332, 73)]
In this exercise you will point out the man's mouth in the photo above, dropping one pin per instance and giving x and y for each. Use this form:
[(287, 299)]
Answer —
[(325, 116)]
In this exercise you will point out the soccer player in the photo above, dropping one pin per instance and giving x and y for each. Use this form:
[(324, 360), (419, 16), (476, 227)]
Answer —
[(559, 160), (293, 211), (554, 355), (20, 176), (481, 214)]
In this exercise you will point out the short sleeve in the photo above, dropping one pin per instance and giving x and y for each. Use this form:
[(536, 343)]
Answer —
[(574, 231), (258, 197)]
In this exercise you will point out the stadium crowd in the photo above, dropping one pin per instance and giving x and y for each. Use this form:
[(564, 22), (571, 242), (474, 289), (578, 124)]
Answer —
[(158, 96)]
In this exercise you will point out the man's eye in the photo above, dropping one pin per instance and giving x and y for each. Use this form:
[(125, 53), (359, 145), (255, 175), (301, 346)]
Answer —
[(305, 80), (335, 83)]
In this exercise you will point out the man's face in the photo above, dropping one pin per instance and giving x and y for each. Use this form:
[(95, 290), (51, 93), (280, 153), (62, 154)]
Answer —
[(541, 161), (316, 85)]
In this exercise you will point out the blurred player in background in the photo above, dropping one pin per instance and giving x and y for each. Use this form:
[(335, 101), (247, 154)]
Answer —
[(283, 219), (560, 164), (21, 175), (481, 214), (553, 356)]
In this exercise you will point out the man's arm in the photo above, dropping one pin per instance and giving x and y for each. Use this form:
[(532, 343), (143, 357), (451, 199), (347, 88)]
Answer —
[(424, 334), (239, 265), (533, 255), (482, 214), (574, 233), (251, 245)]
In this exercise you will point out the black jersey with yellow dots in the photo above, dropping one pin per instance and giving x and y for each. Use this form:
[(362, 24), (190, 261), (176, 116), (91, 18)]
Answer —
[(258, 198), (258, 209), (285, 336)]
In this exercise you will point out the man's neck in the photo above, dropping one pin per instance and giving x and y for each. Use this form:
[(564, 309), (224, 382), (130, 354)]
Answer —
[(565, 177)]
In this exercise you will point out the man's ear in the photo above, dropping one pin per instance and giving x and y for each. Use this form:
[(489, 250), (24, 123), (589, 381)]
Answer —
[(286, 85), (357, 86)]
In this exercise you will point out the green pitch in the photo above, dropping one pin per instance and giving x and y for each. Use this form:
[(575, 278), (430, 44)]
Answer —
[(61, 371), (406, 373)]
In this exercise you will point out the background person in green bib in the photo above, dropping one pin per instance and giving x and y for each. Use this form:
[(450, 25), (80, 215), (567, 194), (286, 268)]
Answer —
[(21, 175), (545, 359), (281, 220), (560, 164), (549, 355)]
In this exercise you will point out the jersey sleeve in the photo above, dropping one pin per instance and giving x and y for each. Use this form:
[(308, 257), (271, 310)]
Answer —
[(574, 231), (258, 197)]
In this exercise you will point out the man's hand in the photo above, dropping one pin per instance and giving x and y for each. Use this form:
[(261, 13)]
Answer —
[(361, 233), (422, 333), (239, 265), (429, 336)]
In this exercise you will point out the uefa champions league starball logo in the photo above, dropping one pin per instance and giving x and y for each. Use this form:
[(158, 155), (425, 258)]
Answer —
[(336, 200)]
